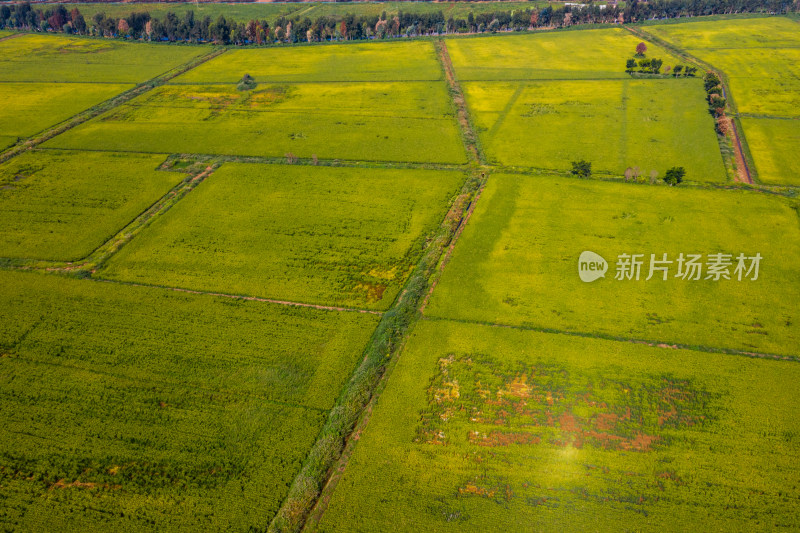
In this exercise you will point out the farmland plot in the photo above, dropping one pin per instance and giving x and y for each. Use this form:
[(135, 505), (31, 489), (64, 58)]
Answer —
[(403, 61), (49, 58), (493, 429), (127, 408), (322, 235), (775, 146), (62, 205), (587, 54), (517, 263), (32, 107), (760, 58), (381, 121), (650, 124)]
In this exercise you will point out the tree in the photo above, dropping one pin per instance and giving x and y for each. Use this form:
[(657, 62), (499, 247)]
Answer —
[(123, 27), (655, 65), (711, 80), (641, 48), (630, 65), (674, 176), (677, 70), (715, 102), (628, 174), (653, 177), (247, 83), (644, 65), (582, 168)]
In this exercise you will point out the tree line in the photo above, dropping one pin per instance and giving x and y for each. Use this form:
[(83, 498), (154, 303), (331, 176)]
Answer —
[(194, 29)]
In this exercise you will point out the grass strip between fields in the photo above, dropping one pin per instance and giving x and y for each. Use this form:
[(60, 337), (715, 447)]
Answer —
[(386, 341)]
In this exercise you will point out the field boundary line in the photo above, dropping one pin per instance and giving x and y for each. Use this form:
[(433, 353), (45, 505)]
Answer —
[(278, 160), (742, 172), (242, 297), (12, 36), (168, 383), (103, 107), (598, 336)]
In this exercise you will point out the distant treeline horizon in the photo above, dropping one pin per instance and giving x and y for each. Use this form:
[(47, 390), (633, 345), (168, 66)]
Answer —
[(195, 29)]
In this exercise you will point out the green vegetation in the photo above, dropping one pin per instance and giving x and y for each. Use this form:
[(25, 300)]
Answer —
[(62, 205), (377, 121), (760, 59), (29, 108), (243, 12), (484, 429), (323, 235), (516, 263), (396, 61), (775, 145), (49, 58), (127, 408), (650, 124), (589, 54)]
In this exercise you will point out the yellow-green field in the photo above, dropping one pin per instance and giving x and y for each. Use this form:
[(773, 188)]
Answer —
[(775, 145), (62, 205), (589, 54), (650, 124), (517, 263), (495, 429), (379, 122), (405, 61), (32, 107), (301, 233), (138, 409), (50, 58)]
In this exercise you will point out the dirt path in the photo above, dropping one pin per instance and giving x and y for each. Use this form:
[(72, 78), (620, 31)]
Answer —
[(248, 298), (742, 169), (12, 36), (462, 114)]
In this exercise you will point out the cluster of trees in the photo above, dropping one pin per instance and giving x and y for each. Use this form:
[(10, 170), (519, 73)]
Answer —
[(715, 96), (653, 66), (674, 176), (189, 28)]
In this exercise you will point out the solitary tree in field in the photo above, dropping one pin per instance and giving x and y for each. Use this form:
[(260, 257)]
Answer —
[(674, 176), (641, 48), (582, 168), (630, 65)]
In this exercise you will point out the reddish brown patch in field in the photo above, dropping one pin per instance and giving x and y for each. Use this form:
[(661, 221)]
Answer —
[(374, 291), (61, 484), (498, 438)]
